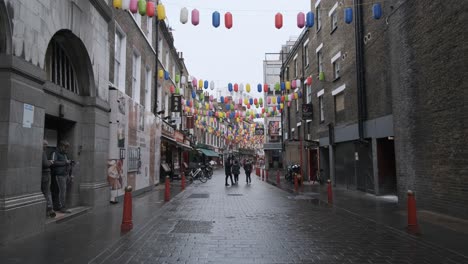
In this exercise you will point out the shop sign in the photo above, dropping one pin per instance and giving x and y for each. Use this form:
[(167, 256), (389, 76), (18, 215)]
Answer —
[(179, 137), (176, 103), (307, 111), (167, 129)]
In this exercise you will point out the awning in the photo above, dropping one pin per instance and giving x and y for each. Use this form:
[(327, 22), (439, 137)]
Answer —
[(208, 152), (184, 145), (168, 138)]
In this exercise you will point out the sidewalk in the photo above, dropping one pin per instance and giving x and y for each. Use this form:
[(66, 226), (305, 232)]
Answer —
[(444, 231)]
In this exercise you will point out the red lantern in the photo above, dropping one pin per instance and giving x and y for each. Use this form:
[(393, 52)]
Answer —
[(236, 87), (278, 20), (228, 20), (226, 100), (265, 88), (150, 8), (309, 80), (282, 98), (248, 106), (172, 89)]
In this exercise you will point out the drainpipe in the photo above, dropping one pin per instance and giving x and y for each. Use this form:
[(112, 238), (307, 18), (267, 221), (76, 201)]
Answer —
[(360, 81), (156, 23)]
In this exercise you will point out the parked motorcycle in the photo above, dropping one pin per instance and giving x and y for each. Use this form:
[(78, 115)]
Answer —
[(294, 169)]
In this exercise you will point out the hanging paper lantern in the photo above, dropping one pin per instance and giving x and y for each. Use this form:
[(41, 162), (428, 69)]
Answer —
[(281, 106), (205, 85), (177, 78), (251, 101), (194, 83), (246, 101), (248, 106), (183, 15), (216, 19), (289, 104), (247, 88), (240, 101), (300, 20), (377, 10), (142, 7), (259, 87), (200, 83), (177, 90), (117, 4), (260, 101), (283, 86), (212, 85), (183, 80), (293, 83), (134, 6), (278, 20), (226, 100), (348, 15), (161, 12), (298, 83), (241, 87), (230, 87), (161, 74), (299, 94), (195, 17), (268, 100), (309, 80), (310, 19), (228, 20), (296, 95), (283, 98), (273, 100), (150, 9), (172, 89), (255, 101), (265, 88), (166, 75), (288, 85), (125, 4)]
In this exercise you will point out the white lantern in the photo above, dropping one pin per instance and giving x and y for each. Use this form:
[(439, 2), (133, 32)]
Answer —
[(241, 87), (125, 4), (183, 15), (212, 85), (298, 83), (183, 80)]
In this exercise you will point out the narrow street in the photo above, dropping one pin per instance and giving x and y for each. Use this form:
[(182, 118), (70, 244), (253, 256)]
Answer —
[(211, 223)]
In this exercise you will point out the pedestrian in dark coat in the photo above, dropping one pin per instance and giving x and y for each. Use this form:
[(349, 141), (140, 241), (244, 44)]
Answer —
[(227, 170), (236, 171), (248, 170)]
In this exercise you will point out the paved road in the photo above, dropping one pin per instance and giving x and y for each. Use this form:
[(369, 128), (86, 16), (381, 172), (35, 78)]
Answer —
[(259, 223)]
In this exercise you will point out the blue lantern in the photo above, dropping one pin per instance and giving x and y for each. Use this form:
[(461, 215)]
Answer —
[(299, 94), (228, 107), (205, 85), (259, 88), (194, 94), (187, 102), (348, 15), (278, 99), (251, 101), (283, 86), (310, 19), (216, 19), (230, 87), (221, 99), (377, 10), (166, 75)]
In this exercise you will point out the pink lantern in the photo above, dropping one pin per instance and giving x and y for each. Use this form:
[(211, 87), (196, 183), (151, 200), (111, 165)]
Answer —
[(269, 100), (195, 17), (293, 83), (240, 101), (278, 20), (134, 6), (289, 104), (300, 20), (194, 82), (228, 20)]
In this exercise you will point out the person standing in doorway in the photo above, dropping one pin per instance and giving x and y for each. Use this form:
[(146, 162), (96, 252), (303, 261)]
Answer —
[(248, 170), (61, 166), (227, 170), (45, 180)]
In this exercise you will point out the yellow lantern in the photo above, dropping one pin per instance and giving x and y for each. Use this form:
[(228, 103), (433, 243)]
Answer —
[(273, 99), (247, 88), (246, 101), (281, 106), (296, 95), (161, 74), (161, 12), (200, 84), (118, 4), (288, 85)]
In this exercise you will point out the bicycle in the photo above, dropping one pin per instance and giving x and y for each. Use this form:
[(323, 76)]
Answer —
[(197, 174)]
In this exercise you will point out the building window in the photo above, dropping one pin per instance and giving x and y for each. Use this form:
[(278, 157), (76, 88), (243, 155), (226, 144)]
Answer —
[(119, 59), (159, 91), (320, 61), (322, 111), (306, 55), (339, 102), (309, 94), (336, 69), (299, 132), (160, 49), (166, 64), (166, 105), (136, 73), (148, 89), (137, 18), (149, 30), (60, 69), (334, 21), (295, 67), (133, 159), (319, 17)]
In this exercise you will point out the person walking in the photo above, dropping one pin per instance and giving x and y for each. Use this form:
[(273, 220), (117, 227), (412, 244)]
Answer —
[(61, 166), (227, 170), (248, 170), (45, 181), (236, 171)]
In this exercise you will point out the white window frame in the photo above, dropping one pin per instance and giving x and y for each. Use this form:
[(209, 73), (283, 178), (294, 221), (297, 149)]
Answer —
[(333, 14), (306, 53), (166, 104), (149, 29), (136, 76), (120, 69), (321, 109), (309, 93), (148, 90), (295, 66), (336, 69), (160, 49), (320, 61), (166, 65), (137, 18), (160, 94), (319, 15)]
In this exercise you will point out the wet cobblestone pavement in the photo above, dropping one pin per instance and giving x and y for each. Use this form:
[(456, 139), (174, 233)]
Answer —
[(258, 223), (211, 223)]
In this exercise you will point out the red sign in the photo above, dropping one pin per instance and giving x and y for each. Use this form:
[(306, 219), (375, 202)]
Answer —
[(179, 137)]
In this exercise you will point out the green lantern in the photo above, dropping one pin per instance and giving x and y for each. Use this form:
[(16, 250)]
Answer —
[(142, 7)]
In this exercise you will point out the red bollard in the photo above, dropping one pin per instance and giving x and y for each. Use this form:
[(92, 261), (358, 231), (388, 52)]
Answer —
[(295, 183), (263, 175), (182, 181), (266, 175), (412, 219), (127, 223), (167, 193), (330, 193), (278, 181)]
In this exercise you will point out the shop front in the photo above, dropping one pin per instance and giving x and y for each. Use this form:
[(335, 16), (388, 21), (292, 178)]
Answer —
[(170, 162)]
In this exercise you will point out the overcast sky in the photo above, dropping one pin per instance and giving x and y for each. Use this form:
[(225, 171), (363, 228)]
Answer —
[(232, 55)]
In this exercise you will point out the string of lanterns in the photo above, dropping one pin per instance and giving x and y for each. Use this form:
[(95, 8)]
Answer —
[(148, 8)]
